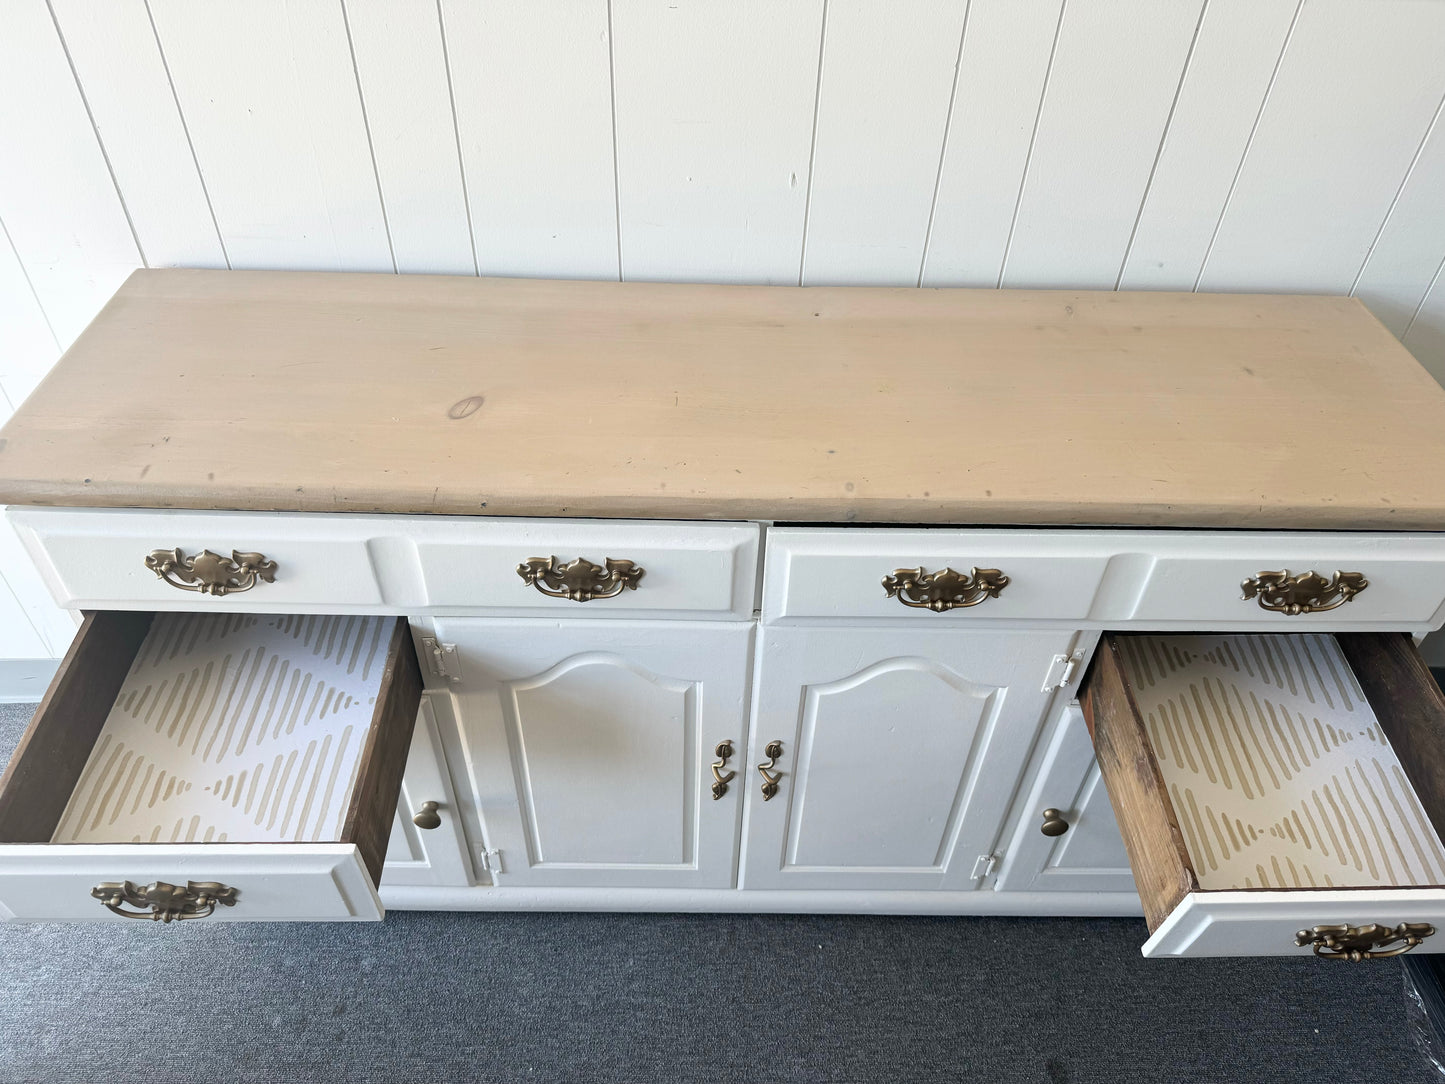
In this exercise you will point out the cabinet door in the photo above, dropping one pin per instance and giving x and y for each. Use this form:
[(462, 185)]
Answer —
[(901, 752), (1089, 856), (426, 856), (588, 743)]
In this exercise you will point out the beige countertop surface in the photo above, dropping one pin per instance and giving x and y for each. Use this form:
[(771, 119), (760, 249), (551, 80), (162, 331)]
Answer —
[(323, 392)]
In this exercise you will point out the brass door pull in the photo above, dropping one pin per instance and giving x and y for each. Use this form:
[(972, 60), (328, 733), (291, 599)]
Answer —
[(946, 590), (719, 781), (1371, 942), (1306, 593), (210, 573), (426, 816), (1054, 823), (770, 778), (161, 902), (580, 580)]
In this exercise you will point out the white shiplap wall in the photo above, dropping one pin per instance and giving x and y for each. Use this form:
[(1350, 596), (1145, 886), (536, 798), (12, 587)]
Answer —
[(1150, 144)]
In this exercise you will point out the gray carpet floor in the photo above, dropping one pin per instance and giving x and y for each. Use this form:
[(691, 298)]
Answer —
[(708, 998)]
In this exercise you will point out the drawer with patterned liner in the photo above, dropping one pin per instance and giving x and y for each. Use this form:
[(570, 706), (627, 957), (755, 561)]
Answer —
[(233, 767), (1277, 794)]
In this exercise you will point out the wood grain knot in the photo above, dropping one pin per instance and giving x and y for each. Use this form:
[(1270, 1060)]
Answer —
[(465, 408)]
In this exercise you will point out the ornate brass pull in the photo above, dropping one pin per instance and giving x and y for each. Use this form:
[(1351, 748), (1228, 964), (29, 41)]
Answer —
[(579, 580), (1307, 593), (946, 590), (1054, 823), (719, 781), (426, 816), (770, 778), (161, 902), (1372, 942), (210, 573)]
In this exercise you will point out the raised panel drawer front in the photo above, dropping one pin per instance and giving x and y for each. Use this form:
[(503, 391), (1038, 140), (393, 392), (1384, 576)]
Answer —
[(239, 767), (1106, 579), (1277, 794), (313, 563)]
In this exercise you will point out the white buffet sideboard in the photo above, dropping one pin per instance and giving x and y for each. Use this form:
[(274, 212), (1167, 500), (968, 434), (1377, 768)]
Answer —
[(927, 684)]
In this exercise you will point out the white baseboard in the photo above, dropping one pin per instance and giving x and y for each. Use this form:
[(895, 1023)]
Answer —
[(24, 681), (725, 900)]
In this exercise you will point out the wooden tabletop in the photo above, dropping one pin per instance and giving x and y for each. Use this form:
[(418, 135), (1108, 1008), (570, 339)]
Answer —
[(378, 393)]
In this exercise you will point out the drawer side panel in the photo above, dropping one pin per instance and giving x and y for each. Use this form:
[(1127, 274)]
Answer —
[(1163, 872)]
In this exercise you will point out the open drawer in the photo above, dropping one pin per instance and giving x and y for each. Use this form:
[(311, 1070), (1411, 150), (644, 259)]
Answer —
[(1277, 793), (227, 766)]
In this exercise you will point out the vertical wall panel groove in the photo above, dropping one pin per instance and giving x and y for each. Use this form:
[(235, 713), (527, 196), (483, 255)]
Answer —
[(533, 104), (1220, 98), (878, 138), (401, 71), (366, 127), (712, 156), (269, 94), (117, 60), (57, 197), (1355, 89), (1164, 135), (1407, 251), (1089, 165)]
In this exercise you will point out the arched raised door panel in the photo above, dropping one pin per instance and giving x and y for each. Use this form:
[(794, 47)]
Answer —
[(853, 818), (588, 749), (604, 754), (901, 753)]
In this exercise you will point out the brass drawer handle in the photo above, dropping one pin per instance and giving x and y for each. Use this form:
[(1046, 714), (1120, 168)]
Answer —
[(161, 902), (946, 590), (427, 816), (720, 782), (210, 573), (771, 778), (1372, 942), (1307, 593), (579, 580)]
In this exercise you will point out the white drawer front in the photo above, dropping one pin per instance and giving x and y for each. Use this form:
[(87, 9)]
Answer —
[(1199, 577), (688, 569), (96, 559), (275, 882), (1107, 579), (828, 573), (1265, 923)]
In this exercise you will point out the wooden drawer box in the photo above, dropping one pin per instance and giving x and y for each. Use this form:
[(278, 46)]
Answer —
[(103, 559), (1277, 794), (234, 767)]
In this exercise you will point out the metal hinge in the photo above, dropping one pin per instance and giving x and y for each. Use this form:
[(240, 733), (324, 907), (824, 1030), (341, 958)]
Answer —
[(491, 861), (985, 865), (1062, 670), (441, 659)]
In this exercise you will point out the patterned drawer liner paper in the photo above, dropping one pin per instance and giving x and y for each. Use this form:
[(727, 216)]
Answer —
[(236, 728), (1276, 765)]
